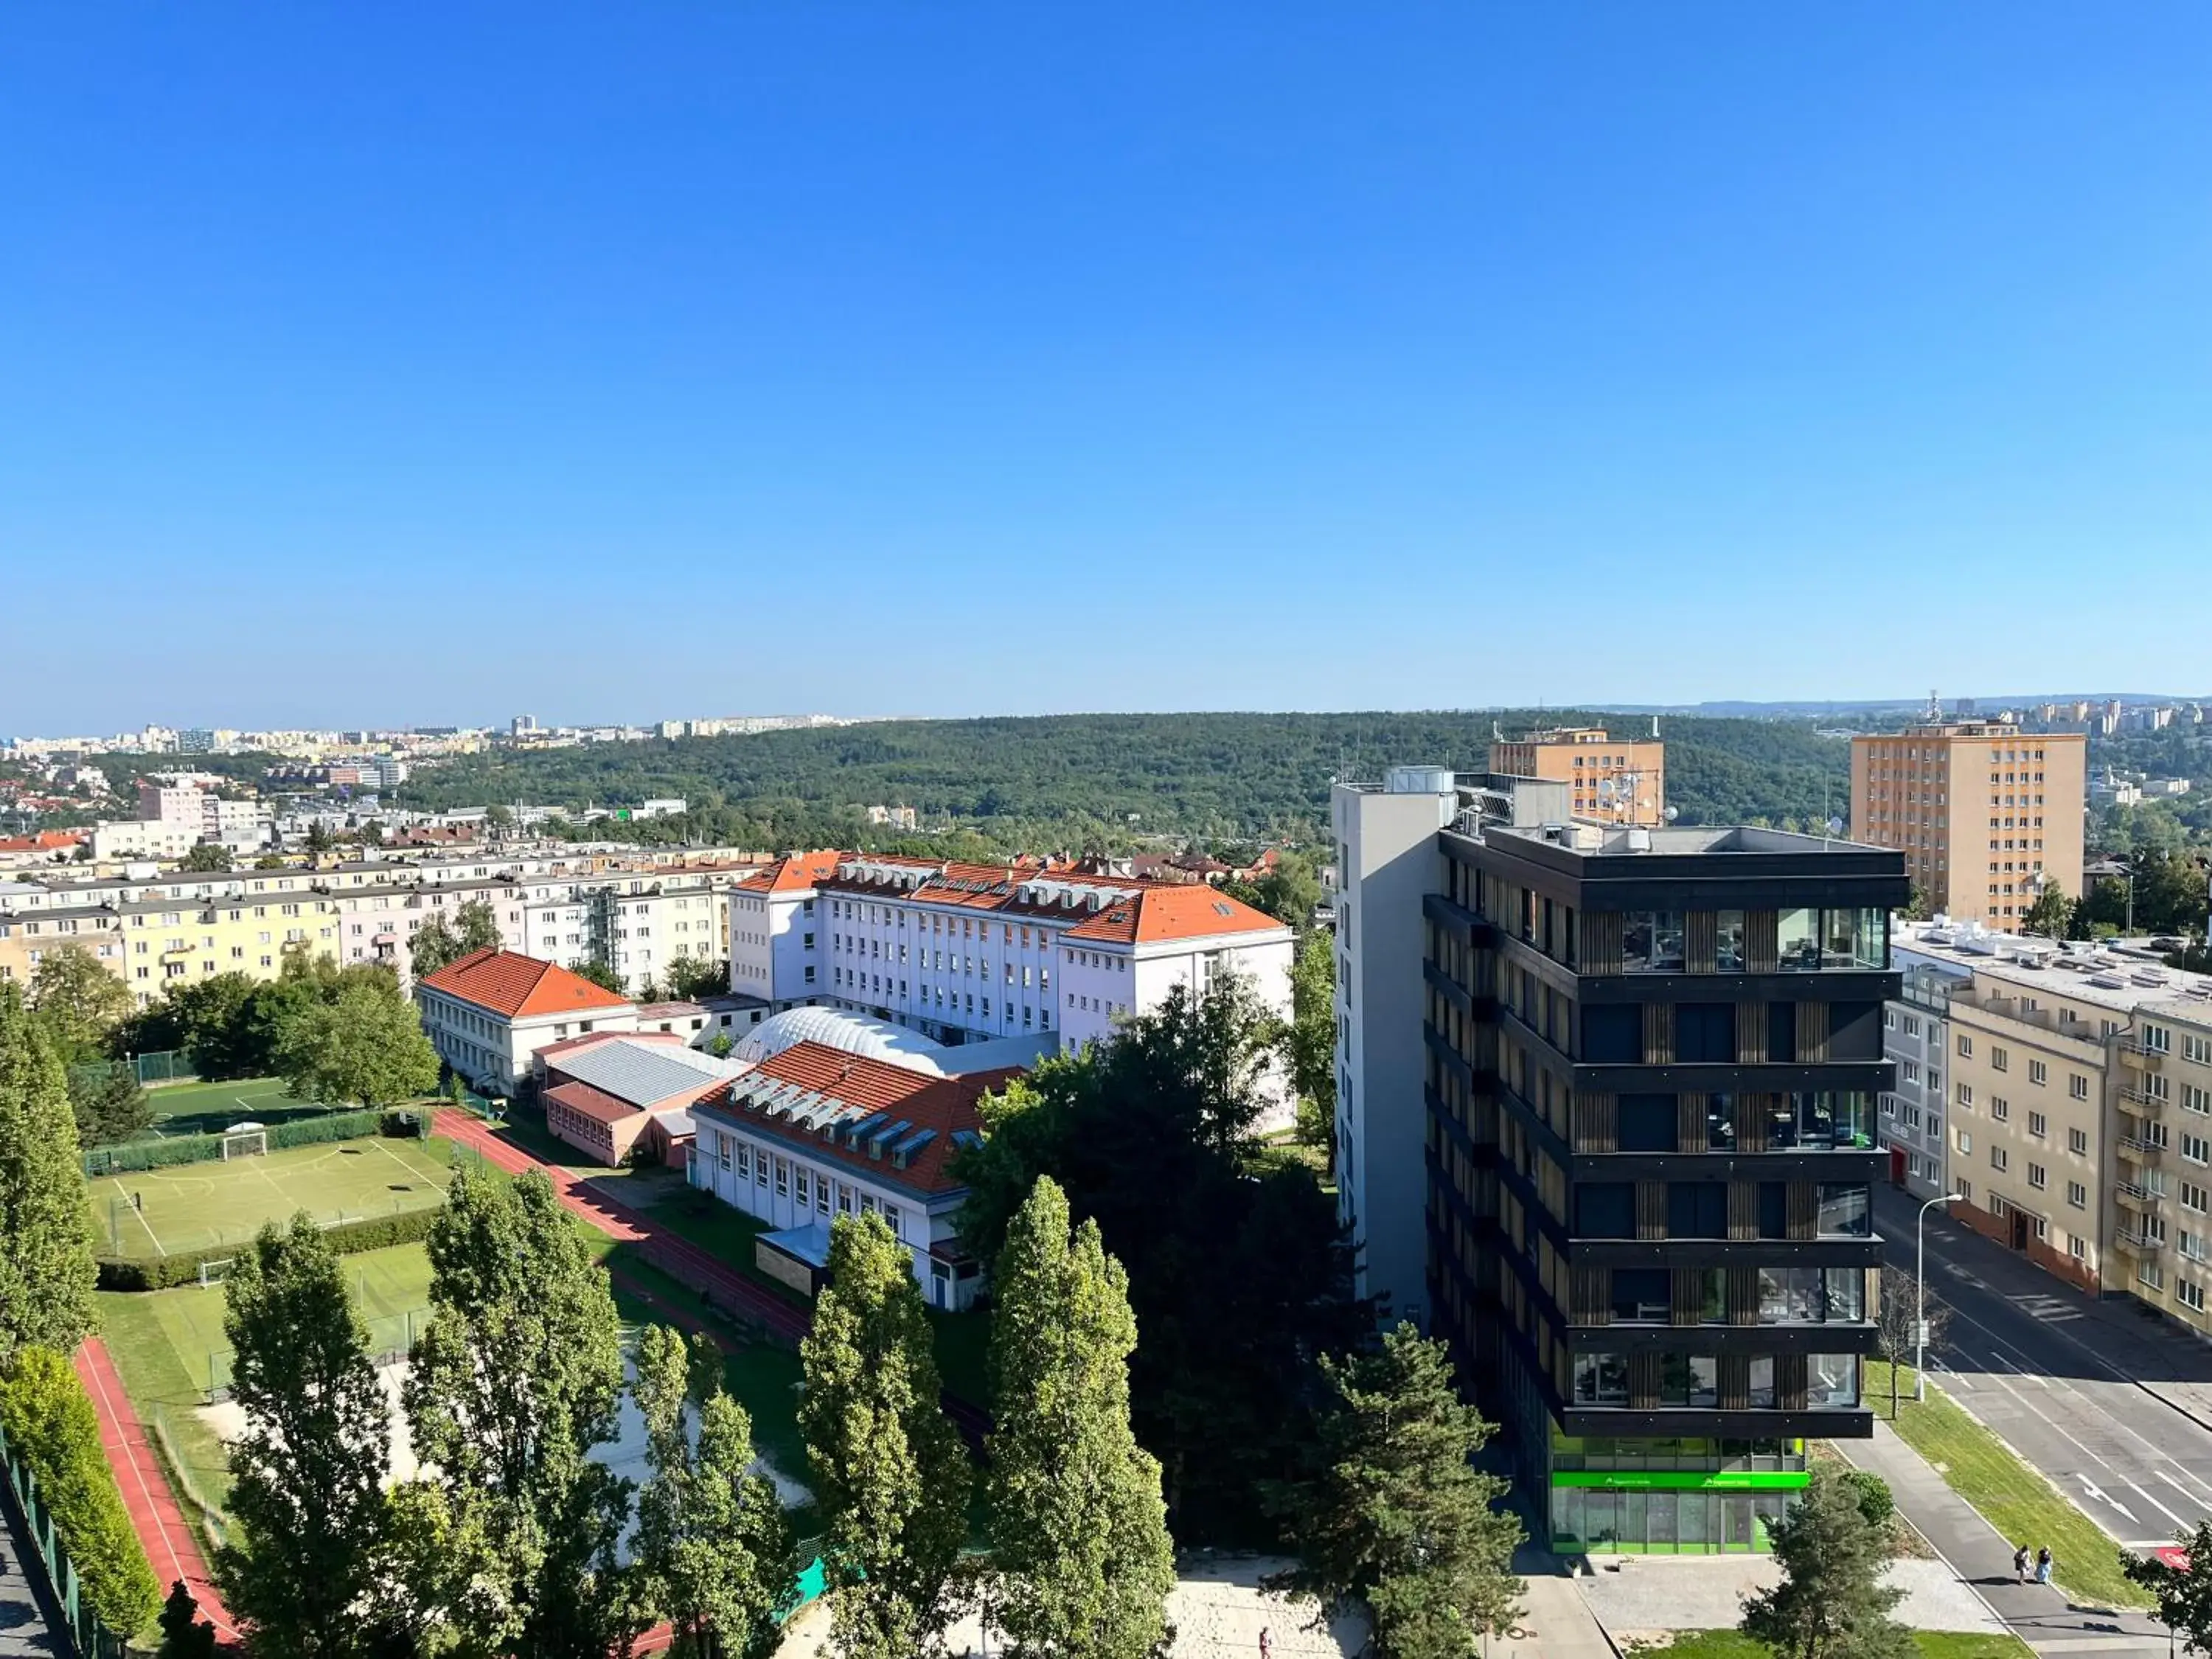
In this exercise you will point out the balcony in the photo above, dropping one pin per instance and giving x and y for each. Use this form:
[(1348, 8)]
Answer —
[(2137, 1244), (2141, 1101), (2136, 1057), (2137, 1198), (2135, 1150)]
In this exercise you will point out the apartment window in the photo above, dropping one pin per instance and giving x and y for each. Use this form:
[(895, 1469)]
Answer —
[(2000, 1059), (2189, 1294), (2077, 1142), (2000, 1107), (2037, 1177), (1997, 1159), (2077, 1195), (2194, 1197), (2157, 1039), (2196, 1148), (1965, 1047), (1965, 1097), (1651, 942), (2194, 1099), (2039, 1126), (2038, 1073), (2078, 1086)]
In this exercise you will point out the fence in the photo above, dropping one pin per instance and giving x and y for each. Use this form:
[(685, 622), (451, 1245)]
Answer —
[(168, 1066), (82, 1627), (136, 1156), (213, 1522)]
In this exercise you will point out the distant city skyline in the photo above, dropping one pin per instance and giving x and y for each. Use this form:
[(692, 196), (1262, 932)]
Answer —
[(600, 361)]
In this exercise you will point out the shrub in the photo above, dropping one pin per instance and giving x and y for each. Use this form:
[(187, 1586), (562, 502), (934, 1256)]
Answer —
[(51, 1425), (349, 1238), (1873, 1494)]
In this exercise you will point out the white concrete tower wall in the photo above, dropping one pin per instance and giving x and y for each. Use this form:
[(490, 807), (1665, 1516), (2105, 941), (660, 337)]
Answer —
[(1390, 861)]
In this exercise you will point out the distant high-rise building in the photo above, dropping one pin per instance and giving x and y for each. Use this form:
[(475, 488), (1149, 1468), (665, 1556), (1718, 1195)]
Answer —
[(1985, 814), (1610, 780), (522, 726)]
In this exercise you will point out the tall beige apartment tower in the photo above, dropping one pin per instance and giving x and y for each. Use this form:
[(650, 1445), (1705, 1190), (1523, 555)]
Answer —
[(1613, 780), (1984, 813)]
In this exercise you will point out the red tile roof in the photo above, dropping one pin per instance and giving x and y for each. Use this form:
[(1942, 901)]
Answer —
[(1159, 915), (516, 987), (794, 873), (593, 1104), (944, 1105)]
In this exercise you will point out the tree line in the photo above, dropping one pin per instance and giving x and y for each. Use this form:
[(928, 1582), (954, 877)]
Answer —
[(1056, 781)]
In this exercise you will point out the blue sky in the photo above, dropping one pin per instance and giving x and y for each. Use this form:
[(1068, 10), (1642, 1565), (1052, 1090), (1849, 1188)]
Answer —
[(395, 362)]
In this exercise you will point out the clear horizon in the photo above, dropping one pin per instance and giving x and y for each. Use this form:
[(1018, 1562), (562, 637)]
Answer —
[(639, 365)]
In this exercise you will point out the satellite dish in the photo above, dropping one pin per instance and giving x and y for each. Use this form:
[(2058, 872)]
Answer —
[(1607, 789), (1835, 826), (1674, 812)]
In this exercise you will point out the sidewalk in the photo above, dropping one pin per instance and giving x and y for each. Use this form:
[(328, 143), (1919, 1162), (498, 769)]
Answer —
[(1980, 1557)]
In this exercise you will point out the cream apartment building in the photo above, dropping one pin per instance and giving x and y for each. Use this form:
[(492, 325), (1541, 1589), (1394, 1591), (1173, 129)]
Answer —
[(2078, 1104), (1984, 813)]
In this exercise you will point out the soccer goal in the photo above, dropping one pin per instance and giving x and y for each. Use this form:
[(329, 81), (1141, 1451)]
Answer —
[(245, 1143), (212, 1272)]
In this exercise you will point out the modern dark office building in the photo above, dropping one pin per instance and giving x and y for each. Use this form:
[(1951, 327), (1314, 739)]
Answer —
[(1650, 1065)]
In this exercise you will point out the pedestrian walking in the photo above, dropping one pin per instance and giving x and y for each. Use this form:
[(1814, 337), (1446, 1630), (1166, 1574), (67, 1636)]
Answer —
[(2043, 1565), (1267, 1644), (2019, 1564)]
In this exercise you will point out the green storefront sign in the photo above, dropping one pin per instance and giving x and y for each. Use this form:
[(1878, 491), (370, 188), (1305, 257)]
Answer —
[(1685, 1479)]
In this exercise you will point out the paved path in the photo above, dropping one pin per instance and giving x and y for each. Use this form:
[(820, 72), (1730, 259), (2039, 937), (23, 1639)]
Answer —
[(27, 1617), (1978, 1556), (1646, 1598), (170, 1545), (2113, 1405)]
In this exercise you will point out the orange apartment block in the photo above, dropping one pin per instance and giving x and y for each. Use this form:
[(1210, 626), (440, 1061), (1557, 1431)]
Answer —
[(1614, 780), (1984, 813)]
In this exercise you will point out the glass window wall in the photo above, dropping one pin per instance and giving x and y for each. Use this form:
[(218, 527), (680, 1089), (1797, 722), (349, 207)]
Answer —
[(1811, 1296), (1832, 1379), (1844, 1212), (1821, 1120), (1651, 942), (1729, 934), (1601, 1379)]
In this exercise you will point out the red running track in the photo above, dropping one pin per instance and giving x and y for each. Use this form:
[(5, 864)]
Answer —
[(169, 1543)]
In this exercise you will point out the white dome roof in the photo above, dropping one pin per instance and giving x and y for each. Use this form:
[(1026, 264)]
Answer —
[(848, 1033)]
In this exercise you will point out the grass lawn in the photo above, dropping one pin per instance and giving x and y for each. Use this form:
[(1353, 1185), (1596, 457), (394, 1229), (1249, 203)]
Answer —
[(1933, 1645), (195, 1206), (197, 1108), (2015, 1499), (963, 1339)]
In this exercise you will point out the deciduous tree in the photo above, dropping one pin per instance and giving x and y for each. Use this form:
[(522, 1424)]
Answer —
[(597, 970), (2051, 915), (2184, 1593), (1897, 1323), (691, 977), (889, 1472), (514, 1380), (1239, 1270), (1831, 1603), (366, 1044), (712, 1537), (45, 1228), (432, 946), (1394, 1515), (109, 1104), (1079, 1531), (184, 1634), (78, 1002), (206, 858), (1309, 1040), (308, 1470), (52, 1427)]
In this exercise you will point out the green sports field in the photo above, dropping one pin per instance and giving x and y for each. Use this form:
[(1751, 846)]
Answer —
[(200, 1207), (199, 1108)]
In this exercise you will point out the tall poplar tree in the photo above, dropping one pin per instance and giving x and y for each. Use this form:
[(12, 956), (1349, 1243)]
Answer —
[(1078, 1527), (515, 1378), (46, 1274), (307, 1473), (712, 1537), (889, 1472)]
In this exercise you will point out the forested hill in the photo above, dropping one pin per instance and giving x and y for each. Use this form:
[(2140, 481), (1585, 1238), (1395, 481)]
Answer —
[(1086, 778)]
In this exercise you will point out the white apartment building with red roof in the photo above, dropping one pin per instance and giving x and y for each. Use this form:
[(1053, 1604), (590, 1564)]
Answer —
[(967, 952), (488, 1012)]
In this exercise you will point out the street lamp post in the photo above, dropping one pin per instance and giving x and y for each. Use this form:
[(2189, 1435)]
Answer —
[(1920, 1296)]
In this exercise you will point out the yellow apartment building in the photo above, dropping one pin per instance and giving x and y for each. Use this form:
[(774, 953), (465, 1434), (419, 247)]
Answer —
[(166, 940), (1613, 780), (1984, 813)]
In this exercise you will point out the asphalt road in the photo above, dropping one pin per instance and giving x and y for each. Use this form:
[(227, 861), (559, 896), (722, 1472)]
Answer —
[(2061, 1377)]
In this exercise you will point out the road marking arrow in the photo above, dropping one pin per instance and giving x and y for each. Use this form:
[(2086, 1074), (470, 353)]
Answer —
[(2101, 1496)]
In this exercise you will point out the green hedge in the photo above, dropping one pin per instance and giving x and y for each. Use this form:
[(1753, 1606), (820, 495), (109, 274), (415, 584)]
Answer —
[(204, 1149), (349, 1238), (51, 1425)]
